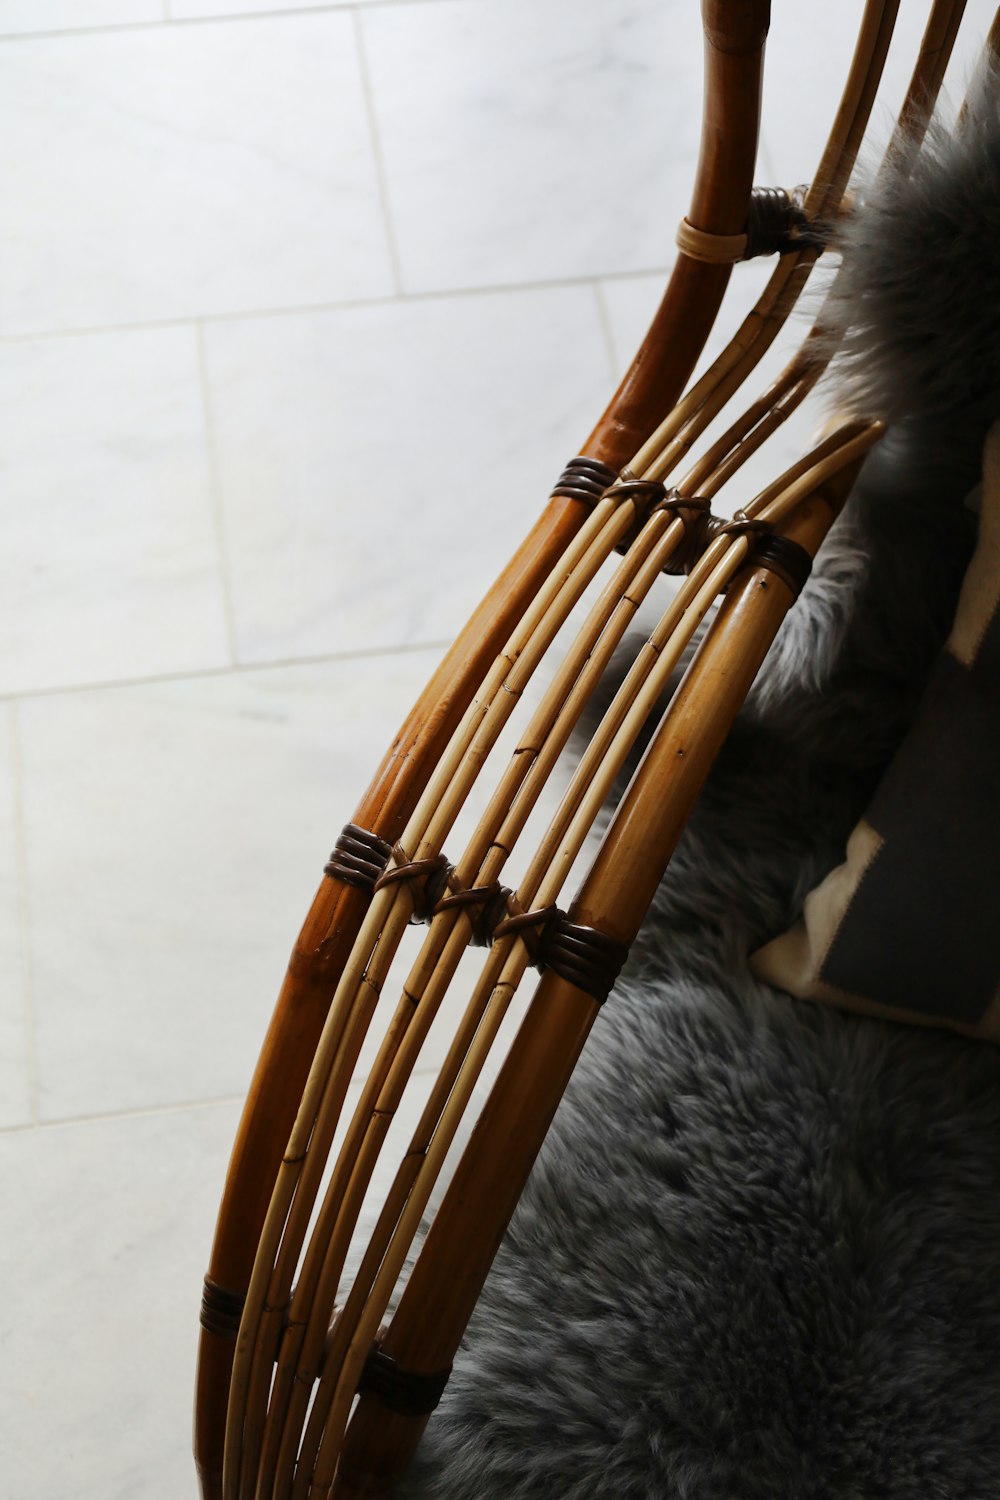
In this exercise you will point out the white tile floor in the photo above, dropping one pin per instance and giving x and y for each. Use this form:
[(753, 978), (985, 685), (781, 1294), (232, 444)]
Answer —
[(292, 297)]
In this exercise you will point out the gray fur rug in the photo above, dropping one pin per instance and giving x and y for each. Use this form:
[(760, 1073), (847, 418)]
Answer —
[(758, 1256)]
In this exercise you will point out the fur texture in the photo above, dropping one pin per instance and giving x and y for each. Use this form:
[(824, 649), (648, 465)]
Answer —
[(919, 292), (757, 1258)]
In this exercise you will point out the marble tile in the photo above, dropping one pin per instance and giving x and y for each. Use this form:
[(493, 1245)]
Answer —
[(526, 142), (103, 1263), (16, 1090), (18, 17), (176, 833), (185, 10), (379, 464), (110, 565), (177, 170)]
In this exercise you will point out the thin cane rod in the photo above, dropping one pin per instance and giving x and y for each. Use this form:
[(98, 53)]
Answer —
[(536, 753), (610, 766), (598, 758), (529, 767), (525, 891), (828, 186), (936, 47), (297, 1183), (410, 995), (708, 476), (792, 496), (482, 723), (452, 1264), (991, 50), (387, 1275), (334, 1394), (414, 995), (539, 748)]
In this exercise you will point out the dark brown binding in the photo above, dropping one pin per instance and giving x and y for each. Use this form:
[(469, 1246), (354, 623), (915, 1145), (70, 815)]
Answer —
[(776, 224), (404, 1391), (647, 496), (781, 555), (426, 878), (583, 956), (792, 563), (221, 1310), (485, 905), (359, 858), (584, 479)]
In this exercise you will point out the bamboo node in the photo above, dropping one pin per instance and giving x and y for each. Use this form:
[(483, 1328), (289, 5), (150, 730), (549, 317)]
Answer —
[(359, 857), (406, 1391)]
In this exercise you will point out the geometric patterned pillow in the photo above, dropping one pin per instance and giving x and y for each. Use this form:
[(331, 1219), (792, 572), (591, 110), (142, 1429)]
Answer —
[(908, 928)]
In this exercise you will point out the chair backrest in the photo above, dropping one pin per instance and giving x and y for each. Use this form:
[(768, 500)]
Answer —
[(288, 1342)]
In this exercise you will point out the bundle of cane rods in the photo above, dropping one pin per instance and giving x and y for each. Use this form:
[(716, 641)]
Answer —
[(301, 1390)]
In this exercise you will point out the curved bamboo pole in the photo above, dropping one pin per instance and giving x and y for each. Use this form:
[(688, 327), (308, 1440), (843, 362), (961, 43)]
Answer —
[(447, 1277)]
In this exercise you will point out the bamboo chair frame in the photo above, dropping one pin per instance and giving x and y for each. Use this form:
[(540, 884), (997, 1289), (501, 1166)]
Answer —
[(278, 1411)]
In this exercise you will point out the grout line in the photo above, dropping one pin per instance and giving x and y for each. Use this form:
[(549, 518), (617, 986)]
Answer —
[(377, 152), (182, 1106), (275, 13), (21, 842), (329, 658), (609, 338), (124, 1114), (215, 485), (441, 294)]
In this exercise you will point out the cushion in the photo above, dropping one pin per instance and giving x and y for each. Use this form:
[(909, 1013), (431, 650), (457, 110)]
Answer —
[(908, 927)]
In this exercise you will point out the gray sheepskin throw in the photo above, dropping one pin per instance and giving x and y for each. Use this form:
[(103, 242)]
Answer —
[(759, 1255)]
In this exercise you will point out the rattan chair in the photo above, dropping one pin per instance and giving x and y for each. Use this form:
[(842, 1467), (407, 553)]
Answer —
[(301, 1389)]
